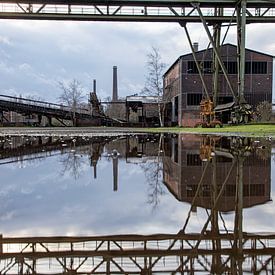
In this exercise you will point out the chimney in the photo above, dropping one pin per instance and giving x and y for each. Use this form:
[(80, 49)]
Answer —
[(94, 86), (114, 83), (196, 46)]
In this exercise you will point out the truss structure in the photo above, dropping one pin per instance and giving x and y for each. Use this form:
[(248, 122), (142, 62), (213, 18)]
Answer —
[(134, 10)]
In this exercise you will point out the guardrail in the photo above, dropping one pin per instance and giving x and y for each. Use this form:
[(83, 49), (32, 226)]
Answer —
[(43, 104)]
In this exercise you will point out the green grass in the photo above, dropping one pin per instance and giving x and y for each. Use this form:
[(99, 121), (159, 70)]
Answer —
[(259, 130)]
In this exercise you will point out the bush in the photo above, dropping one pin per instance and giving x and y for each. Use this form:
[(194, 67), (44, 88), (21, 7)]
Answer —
[(264, 111)]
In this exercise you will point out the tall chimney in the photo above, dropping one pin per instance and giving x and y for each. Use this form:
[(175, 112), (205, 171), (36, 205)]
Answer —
[(94, 86), (114, 83), (196, 46)]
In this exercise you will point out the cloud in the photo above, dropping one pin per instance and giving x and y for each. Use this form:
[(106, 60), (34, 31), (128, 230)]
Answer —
[(36, 54), (5, 40)]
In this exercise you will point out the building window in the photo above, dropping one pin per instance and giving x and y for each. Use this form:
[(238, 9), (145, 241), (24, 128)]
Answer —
[(194, 99), (192, 68), (176, 106), (259, 67), (247, 68), (231, 67), (207, 67)]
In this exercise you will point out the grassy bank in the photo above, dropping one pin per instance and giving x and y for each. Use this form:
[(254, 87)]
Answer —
[(259, 130)]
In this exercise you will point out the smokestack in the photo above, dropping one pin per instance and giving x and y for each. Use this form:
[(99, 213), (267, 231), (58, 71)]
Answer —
[(196, 46), (114, 83), (94, 86)]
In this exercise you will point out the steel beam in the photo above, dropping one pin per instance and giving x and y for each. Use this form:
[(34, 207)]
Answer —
[(217, 41), (196, 61), (216, 53), (135, 11), (241, 28)]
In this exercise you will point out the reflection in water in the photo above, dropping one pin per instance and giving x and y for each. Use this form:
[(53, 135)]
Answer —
[(199, 168), (222, 175)]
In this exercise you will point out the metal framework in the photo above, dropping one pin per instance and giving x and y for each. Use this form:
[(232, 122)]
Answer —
[(138, 254), (134, 10)]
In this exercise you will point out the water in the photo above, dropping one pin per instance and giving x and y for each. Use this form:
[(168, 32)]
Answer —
[(188, 203)]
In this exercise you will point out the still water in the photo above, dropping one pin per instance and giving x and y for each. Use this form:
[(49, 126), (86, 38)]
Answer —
[(136, 204)]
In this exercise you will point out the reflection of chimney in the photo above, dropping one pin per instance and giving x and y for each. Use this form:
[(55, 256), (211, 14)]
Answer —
[(196, 46), (95, 172), (115, 172), (94, 86), (114, 83), (194, 209)]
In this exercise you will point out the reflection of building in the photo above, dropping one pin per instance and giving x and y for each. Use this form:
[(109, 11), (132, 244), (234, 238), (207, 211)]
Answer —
[(184, 89), (188, 165)]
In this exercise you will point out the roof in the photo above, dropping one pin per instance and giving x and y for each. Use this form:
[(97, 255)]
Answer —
[(142, 99), (224, 45), (224, 107)]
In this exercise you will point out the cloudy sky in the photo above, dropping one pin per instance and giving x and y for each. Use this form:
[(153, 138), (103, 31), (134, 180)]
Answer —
[(35, 55)]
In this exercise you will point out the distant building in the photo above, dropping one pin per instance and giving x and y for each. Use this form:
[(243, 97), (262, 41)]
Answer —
[(142, 110), (183, 88)]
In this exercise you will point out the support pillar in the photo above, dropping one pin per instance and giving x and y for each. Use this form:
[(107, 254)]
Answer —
[(195, 59), (241, 29), (219, 58), (216, 67), (173, 118)]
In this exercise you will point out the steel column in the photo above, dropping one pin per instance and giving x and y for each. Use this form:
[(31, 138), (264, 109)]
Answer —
[(216, 51), (217, 41), (195, 59), (241, 28)]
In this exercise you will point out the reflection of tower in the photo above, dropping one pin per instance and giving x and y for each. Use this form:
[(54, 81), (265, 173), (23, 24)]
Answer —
[(115, 155), (115, 173), (115, 95), (93, 164)]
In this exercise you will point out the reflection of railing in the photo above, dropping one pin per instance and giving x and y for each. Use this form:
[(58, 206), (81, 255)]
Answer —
[(138, 254)]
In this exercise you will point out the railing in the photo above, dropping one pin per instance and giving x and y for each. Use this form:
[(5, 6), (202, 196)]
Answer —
[(43, 104), (128, 11), (135, 254)]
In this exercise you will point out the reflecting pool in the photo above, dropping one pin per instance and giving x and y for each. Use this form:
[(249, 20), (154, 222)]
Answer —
[(136, 204)]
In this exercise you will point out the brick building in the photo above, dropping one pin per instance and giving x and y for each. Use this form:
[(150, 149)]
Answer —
[(183, 89)]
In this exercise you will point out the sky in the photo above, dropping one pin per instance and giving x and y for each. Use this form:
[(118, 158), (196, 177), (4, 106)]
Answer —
[(36, 55)]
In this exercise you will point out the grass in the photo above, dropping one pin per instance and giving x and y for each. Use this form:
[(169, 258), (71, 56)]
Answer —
[(253, 130)]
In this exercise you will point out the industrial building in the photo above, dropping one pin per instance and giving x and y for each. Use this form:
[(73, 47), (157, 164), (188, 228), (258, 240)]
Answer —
[(183, 89)]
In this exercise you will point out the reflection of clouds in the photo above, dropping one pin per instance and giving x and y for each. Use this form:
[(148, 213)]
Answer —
[(62, 207), (34, 201)]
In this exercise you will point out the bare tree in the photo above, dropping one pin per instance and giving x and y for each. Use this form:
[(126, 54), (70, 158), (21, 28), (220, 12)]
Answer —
[(72, 162), (154, 174), (154, 82), (72, 95)]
